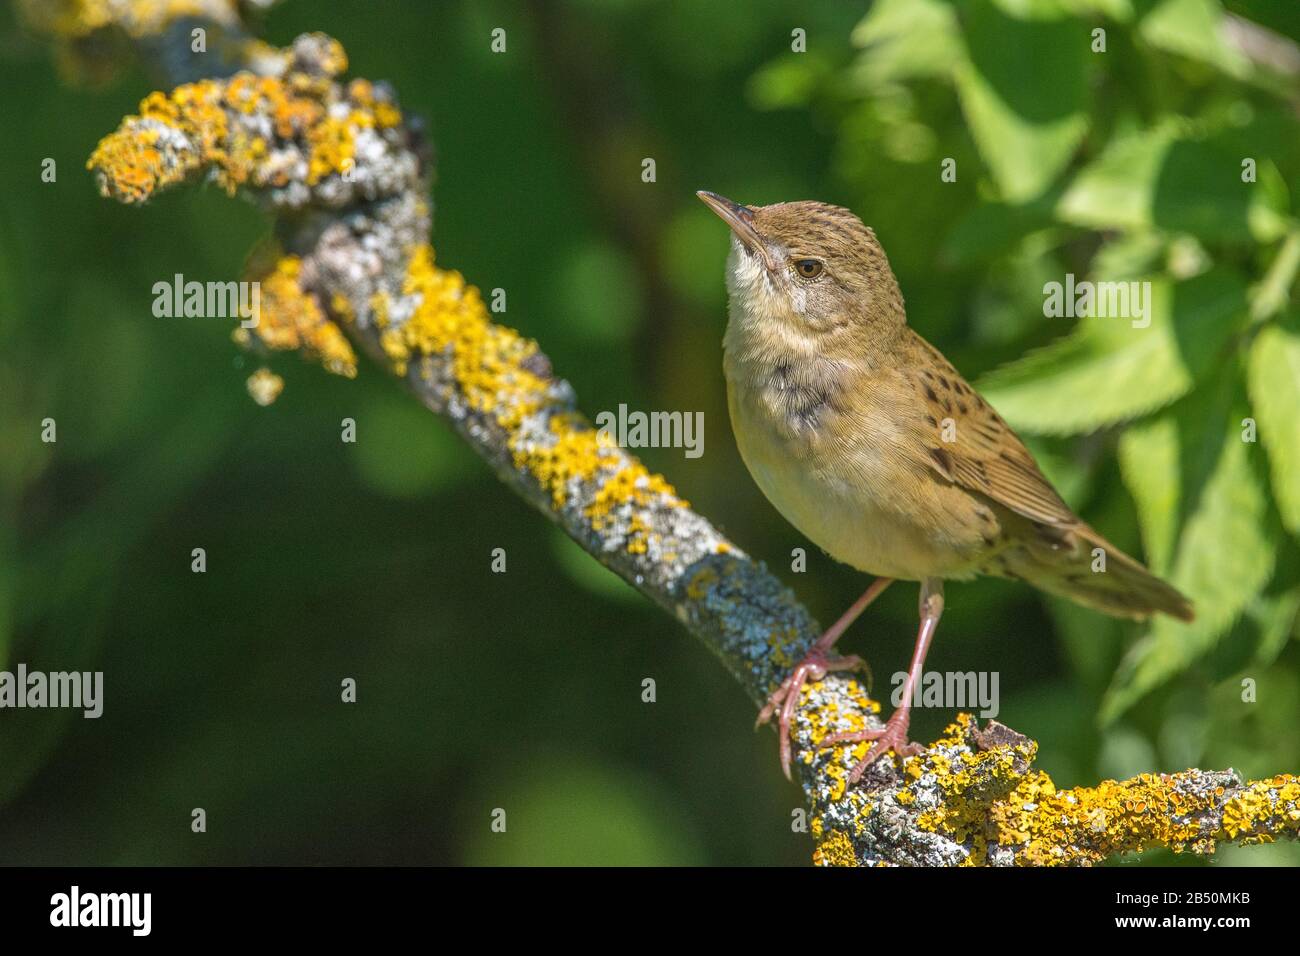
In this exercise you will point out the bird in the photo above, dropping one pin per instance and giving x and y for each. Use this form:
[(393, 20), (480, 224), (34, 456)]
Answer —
[(871, 444)]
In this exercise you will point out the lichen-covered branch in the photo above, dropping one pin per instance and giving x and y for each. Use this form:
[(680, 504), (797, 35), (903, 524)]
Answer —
[(346, 176)]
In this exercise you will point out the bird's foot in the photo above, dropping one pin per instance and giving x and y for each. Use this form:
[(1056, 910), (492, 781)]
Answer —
[(893, 736), (816, 665)]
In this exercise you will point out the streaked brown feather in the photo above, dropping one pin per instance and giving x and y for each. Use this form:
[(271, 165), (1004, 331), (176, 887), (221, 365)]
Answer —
[(1052, 548), (986, 456)]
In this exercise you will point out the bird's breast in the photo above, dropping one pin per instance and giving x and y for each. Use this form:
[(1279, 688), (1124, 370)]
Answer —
[(832, 457)]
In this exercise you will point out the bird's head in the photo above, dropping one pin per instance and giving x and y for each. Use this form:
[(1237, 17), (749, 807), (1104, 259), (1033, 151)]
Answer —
[(808, 269)]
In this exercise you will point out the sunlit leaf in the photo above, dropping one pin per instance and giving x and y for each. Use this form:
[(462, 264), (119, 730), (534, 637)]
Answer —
[(1129, 255), (1194, 28), (901, 39), (1160, 179), (1148, 459), (1107, 370), (990, 229), (1024, 93), (1276, 616), (1274, 379), (1051, 9), (1226, 548)]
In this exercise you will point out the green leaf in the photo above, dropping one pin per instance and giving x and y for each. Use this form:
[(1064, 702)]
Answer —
[(1131, 255), (991, 229), (1272, 294), (1194, 29), (1090, 641), (1148, 461), (1268, 622), (1024, 93), (1226, 549), (1276, 616), (1124, 753), (1115, 191), (1107, 370), (1257, 636), (1274, 378), (1050, 9), (1159, 178), (1277, 613), (903, 39), (1121, 10)]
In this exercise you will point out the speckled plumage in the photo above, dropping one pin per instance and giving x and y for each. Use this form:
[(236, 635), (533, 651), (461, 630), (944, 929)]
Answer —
[(869, 442), (873, 445)]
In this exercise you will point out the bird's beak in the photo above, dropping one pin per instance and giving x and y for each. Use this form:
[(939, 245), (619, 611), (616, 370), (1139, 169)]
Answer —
[(741, 220)]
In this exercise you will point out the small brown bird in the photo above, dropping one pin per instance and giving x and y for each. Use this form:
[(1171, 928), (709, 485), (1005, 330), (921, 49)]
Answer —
[(870, 443)]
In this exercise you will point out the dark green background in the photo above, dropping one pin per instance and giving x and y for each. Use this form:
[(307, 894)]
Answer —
[(371, 561)]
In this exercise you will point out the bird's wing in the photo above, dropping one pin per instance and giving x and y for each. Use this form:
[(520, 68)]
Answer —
[(984, 455)]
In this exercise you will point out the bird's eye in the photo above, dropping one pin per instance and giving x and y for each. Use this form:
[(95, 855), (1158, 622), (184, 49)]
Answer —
[(808, 268)]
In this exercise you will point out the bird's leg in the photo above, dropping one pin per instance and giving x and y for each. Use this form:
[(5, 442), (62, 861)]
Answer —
[(893, 736), (817, 663)]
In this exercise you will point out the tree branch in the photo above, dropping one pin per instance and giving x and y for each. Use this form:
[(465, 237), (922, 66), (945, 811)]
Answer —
[(346, 177)]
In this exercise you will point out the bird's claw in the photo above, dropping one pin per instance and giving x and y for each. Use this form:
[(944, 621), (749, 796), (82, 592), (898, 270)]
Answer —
[(785, 699), (893, 736)]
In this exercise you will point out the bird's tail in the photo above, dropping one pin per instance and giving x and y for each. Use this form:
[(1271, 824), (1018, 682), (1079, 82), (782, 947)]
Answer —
[(1083, 566)]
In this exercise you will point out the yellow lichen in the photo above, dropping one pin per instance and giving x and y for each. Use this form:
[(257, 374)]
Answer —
[(576, 453), (265, 386), (332, 148), (291, 319), (333, 59), (362, 92), (487, 359), (835, 850), (965, 780), (1277, 799), (489, 364), (639, 535), (701, 582), (130, 161), (1087, 825), (79, 18), (779, 645), (989, 797), (631, 484), (829, 718), (205, 128)]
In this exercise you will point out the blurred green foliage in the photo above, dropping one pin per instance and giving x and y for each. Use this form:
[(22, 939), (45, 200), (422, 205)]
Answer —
[(522, 691)]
